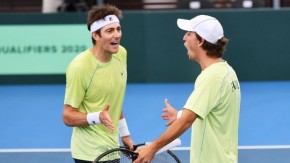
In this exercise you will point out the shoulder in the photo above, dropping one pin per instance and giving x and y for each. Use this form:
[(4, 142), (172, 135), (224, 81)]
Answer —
[(217, 70), (79, 59), (122, 50), (79, 62), (122, 53), (213, 74)]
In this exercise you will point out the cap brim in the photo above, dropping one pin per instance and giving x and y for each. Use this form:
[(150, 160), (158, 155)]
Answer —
[(184, 24)]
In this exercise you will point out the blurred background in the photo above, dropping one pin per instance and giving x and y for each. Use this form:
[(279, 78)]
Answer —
[(52, 6)]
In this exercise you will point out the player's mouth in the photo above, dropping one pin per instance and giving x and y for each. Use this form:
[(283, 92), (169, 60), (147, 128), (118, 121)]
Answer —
[(115, 43), (185, 44)]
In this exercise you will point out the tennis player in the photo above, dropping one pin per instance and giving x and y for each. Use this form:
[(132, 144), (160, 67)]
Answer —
[(213, 107), (95, 88)]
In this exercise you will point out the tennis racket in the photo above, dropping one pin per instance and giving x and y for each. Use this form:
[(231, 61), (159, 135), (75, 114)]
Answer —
[(124, 155)]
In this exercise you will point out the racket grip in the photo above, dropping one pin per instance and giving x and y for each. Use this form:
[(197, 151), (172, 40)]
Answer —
[(138, 145), (174, 143), (135, 146)]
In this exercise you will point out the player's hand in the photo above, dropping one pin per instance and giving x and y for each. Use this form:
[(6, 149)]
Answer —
[(106, 119), (145, 154), (169, 113), (127, 141)]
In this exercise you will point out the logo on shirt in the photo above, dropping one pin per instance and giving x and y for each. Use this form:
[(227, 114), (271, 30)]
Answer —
[(122, 74), (235, 85)]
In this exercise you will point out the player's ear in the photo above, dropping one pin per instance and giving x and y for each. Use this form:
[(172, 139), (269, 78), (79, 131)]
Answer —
[(201, 41), (96, 36), (199, 38)]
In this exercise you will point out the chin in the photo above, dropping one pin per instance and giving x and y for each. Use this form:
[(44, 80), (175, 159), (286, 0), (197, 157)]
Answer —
[(191, 57), (115, 49)]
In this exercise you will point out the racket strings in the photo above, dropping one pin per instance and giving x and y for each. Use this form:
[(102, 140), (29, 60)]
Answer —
[(117, 157), (126, 156), (164, 157)]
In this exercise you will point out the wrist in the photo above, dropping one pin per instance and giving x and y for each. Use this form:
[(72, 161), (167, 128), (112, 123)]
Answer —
[(123, 128), (179, 113), (93, 118)]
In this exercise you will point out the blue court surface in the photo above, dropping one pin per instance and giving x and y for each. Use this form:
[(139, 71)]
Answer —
[(32, 129)]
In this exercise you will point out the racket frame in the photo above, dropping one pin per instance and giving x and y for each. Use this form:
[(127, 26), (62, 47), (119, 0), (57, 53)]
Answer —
[(126, 151)]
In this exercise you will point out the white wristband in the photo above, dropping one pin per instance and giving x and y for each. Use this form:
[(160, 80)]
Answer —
[(179, 114), (123, 128), (93, 118)]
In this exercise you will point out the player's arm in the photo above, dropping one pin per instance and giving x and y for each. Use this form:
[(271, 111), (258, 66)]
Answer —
[(124, 132), (72, 117), (178, 127)]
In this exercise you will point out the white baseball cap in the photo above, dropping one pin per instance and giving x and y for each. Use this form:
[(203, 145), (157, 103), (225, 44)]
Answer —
[(206, 26)]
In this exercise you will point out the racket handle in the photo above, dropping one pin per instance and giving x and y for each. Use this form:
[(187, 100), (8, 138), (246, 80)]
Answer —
[(172, 144), (134, 146)]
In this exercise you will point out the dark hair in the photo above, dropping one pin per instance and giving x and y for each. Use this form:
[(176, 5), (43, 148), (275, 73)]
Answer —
[(99, 12), (214, 50)]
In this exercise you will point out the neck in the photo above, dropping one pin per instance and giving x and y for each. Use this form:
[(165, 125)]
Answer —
[(209, 61), (101, 55)]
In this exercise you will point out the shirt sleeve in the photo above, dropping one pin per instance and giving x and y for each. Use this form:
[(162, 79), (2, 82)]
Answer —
[(75, 86)]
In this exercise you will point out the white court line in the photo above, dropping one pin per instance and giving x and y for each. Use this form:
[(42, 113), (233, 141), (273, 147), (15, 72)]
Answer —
[(247, 147), (43, 150), (36, 150), (266, 147)]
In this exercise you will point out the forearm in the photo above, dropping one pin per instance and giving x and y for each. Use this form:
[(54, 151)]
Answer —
[(173, 132), (175, 129), (72, 117)]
